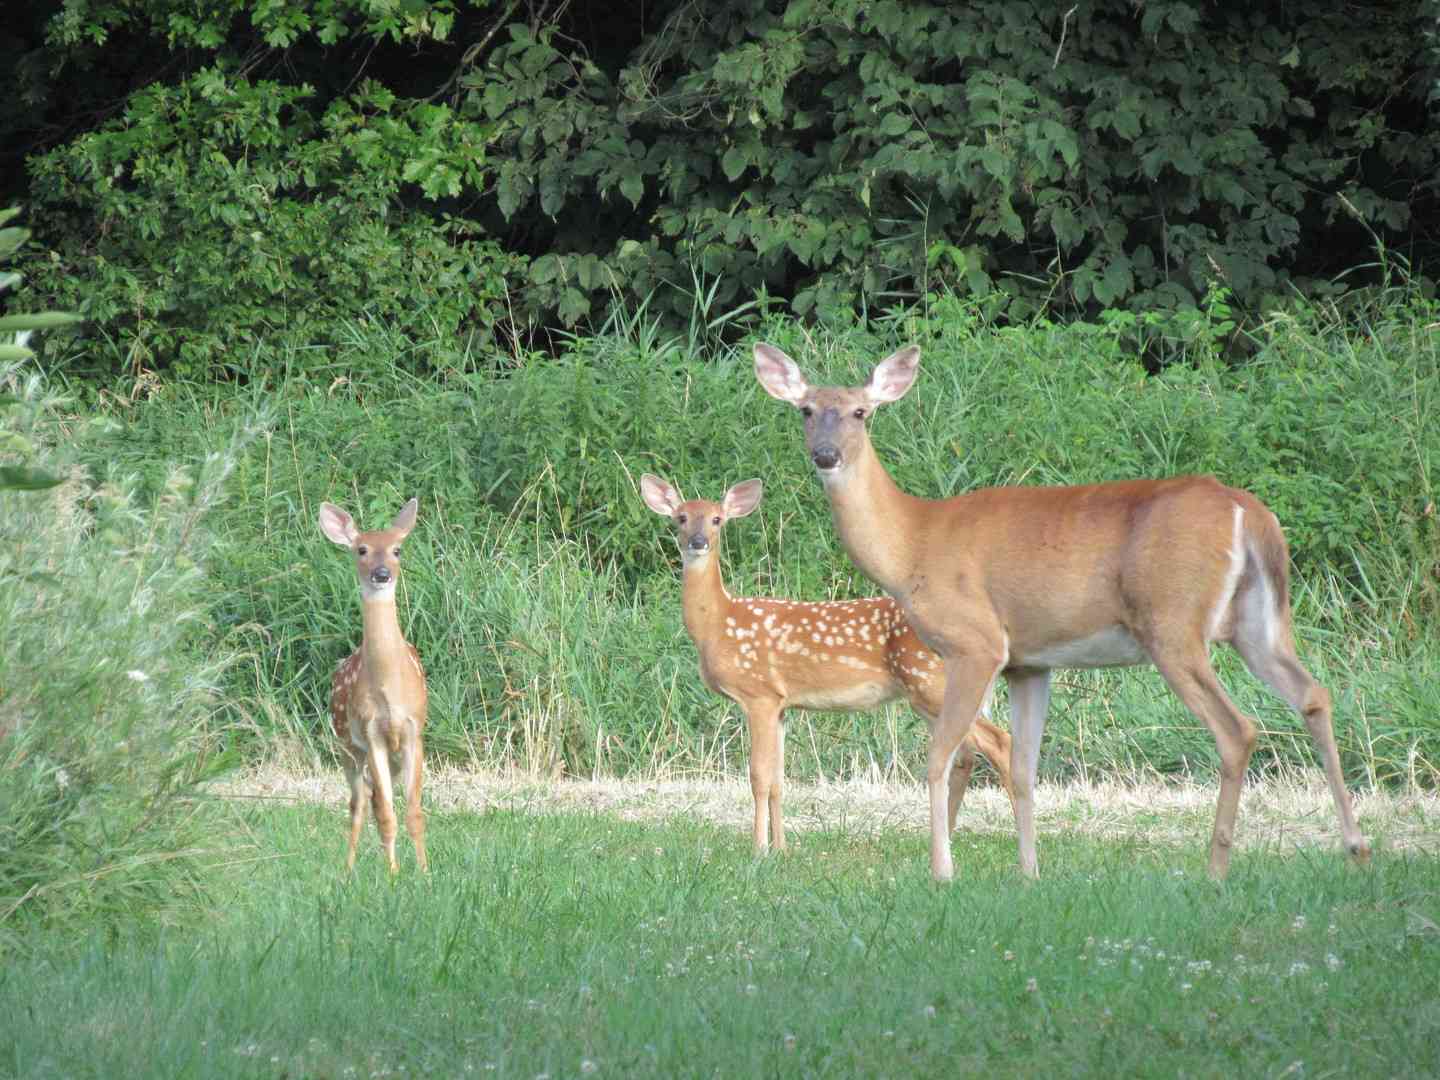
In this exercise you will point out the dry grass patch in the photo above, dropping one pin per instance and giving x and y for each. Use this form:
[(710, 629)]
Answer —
[(1288, 812)]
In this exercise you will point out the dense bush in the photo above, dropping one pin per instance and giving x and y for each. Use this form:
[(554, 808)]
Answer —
[(852, 153), (294, 168), (223, 211), (108, 712)]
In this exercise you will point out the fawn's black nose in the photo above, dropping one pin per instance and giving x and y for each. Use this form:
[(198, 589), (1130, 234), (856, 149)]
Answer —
[(825, 457), (380, 575), (699, 543)]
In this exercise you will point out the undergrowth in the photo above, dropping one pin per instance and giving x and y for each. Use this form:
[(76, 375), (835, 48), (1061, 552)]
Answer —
[(111, 684)]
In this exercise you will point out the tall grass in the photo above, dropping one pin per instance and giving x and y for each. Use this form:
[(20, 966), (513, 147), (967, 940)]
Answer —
[(109, 684), (545, 597)]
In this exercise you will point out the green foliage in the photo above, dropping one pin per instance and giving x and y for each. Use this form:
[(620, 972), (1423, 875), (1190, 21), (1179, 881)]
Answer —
[(848, 154), (225, 210), (444, 167), (16, 329), (107, 694)]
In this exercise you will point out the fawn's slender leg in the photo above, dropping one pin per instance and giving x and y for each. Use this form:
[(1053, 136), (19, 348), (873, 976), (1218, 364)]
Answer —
[(960, 776), (994, 743), (359, 796), (777, 785), (384, 799), (411, 760), (765, 760)]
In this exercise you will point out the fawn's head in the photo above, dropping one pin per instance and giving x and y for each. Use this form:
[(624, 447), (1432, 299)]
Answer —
[(377, 554), (698, 521), (835, 416)]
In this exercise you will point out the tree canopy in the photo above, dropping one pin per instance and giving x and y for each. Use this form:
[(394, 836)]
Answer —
[(204, 174)]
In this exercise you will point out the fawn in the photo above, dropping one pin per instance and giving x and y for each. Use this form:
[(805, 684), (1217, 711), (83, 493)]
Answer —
[(378, 699), (772, 655)]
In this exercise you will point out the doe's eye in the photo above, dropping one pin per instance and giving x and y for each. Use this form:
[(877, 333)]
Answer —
[(396, 552), (362, 550), (859, 414), (682, 518), (715, 520), (806, 411)]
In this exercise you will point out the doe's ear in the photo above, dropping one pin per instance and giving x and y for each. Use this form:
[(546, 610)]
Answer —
[(894, 375), (658, 495), (337, 525), (779, 375), (743, 498)]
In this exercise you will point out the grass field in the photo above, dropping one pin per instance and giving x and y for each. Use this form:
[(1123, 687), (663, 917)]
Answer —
[(625, 930)]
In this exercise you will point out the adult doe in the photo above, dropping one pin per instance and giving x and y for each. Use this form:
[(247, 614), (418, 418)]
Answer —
[(1022, 580)]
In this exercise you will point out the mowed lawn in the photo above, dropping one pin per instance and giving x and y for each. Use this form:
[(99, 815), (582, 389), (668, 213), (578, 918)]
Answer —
[(578, 943)]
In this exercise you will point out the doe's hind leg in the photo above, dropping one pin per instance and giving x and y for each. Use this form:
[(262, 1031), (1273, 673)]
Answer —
[(1279, 668)]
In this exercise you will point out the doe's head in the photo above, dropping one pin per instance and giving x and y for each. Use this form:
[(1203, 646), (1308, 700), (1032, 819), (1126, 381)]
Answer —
[(835, 416), (698, 521), (377, 554)]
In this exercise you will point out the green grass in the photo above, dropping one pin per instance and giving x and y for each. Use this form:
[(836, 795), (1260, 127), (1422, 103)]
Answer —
[(568, 944)]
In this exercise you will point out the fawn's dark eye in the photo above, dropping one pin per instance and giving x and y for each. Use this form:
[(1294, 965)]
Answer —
[(682, 518), (859, 414), (715, 520), (396, 552), (362, 550), (806, 411)]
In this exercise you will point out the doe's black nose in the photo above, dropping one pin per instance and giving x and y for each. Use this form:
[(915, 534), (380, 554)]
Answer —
[(825, 457)]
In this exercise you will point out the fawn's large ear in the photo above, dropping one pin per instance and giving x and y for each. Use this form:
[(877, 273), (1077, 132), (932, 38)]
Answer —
[(337, 525), (405, 520), (743, 498), (779, 375), (658, 495), (894, 375)]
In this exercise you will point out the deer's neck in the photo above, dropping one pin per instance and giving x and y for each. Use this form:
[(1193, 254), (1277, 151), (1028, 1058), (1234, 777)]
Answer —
[(878, 523), (704, 601), (382, 649)]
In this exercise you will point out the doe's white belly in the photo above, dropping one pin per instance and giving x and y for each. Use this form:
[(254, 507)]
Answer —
[(1112, 647)]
